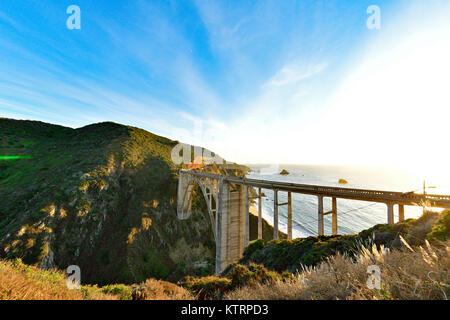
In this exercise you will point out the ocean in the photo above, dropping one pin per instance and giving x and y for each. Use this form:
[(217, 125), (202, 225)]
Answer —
[(353, 216)]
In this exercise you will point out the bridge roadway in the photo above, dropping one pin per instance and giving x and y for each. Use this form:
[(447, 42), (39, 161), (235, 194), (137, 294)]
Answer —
[(402, 198)]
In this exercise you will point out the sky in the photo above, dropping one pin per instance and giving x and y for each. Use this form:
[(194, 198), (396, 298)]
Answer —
[(304, 82)]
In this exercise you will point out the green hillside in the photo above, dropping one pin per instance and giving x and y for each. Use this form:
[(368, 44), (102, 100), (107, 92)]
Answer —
[(102, 197)]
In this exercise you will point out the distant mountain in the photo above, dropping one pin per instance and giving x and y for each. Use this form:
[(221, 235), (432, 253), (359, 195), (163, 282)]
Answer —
[(102, 197)]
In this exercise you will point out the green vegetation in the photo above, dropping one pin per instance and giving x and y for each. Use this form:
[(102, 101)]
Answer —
[(284, 172), (291, 255), (294, 255), (441, 229), (337, 270), (411, 273), (213, 287), (120, 290), (209, 287), (102, 197), (19, 281)]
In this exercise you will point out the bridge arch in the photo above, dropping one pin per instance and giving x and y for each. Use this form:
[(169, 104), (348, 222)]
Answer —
[(209, 189)]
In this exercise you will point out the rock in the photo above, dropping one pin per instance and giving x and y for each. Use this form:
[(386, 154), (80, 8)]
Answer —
[(284, 172), (47, 262)]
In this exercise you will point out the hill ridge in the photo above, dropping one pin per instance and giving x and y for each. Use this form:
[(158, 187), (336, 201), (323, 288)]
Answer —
[(101, 196)]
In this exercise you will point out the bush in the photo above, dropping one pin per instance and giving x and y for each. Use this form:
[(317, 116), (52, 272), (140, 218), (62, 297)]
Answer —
[(255, 273), (213, 287), (291, 255), (441, 229), (153, 289), (210, 287), (253, 247), (120, 290)]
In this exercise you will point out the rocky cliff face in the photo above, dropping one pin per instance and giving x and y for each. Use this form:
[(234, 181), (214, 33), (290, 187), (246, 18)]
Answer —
[(102, 197)]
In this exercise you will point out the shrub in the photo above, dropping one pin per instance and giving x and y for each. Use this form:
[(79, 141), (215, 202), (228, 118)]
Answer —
[(210, 287), (163, 290), (441, 229), (255, 273), (213, 287), (120, 290), (253, 247)]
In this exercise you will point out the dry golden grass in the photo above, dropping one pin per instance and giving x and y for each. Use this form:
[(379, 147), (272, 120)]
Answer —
[(21, 282), (163, 290), (408, 274)]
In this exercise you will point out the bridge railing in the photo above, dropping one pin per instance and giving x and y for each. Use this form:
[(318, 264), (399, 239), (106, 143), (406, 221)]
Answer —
[(364, 194)]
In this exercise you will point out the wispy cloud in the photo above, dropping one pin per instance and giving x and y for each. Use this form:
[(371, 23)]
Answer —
[(293, 73), (5, 18)]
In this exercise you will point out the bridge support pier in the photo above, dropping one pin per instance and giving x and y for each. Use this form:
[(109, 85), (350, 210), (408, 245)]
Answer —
[(320, 230), (334, 222), (289, 226), (231, 225), (260, 235), (390, 212), (275, 214), (401, 212), (247, 227), (221, 231)]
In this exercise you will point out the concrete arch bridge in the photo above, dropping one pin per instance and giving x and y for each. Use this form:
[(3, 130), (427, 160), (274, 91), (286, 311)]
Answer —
[(228, 199)]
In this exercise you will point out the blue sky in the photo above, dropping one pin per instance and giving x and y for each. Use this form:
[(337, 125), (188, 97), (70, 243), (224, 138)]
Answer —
[(256, 81)]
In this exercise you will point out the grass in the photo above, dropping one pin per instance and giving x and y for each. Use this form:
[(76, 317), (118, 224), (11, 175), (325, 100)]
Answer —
[(406, 274), (19, 281), (162, 290), (335, 267), (124, 292), (410, 271), (22, 282)]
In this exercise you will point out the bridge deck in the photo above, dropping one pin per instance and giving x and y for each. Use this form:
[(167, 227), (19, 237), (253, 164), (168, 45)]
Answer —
[(410, 198)]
